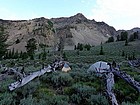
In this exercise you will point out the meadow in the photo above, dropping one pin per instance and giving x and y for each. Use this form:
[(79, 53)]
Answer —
[(77, 87)]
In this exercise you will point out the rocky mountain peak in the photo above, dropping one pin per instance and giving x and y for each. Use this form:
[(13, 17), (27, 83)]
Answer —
[(79, 16), (63, 21), (39, 19)]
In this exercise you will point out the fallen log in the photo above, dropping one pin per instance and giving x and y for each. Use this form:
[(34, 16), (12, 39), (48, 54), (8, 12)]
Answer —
[(112, 97), (109, 88), (25, 79), (28, 78), (102, 68), (134, 63), (130, 80)]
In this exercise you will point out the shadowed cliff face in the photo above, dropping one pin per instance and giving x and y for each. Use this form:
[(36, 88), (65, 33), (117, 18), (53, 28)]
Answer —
[(73, 30)]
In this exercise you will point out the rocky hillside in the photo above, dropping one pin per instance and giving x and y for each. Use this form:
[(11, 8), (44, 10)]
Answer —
[(71, 30), (130, 32)]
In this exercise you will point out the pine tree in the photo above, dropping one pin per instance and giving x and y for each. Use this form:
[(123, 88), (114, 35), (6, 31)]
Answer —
[(101, 50), (39, 56), (129, 57), (10, 54), (64, 56), (31, 47), (75, 47), (16, 55), (123, 54), (124, 36), (80, 46), (126, 42), (21, 54), (110, 39), (17, 41), (61, 45), (87, 46), (44, 54), (24, 56), (126, 56), (13, 53), (118, 38), (133, 56), (77, 52), (136, 35), (6, 55)]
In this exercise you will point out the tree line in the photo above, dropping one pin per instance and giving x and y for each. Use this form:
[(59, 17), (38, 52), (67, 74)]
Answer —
[(124, 37)]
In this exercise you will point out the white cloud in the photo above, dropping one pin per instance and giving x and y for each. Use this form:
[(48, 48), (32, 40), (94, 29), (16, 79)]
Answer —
[(119, 13)]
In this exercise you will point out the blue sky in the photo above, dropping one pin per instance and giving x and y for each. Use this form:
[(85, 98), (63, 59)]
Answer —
[(122, 14), (26, 9)]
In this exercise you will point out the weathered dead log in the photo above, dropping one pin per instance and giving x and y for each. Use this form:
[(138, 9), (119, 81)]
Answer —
[(17, 73), (130, 80), (3, 76), (102, 68), (110, 81), (25, 79), (112, 97), (109, 88), (134, 63), (28, 78)]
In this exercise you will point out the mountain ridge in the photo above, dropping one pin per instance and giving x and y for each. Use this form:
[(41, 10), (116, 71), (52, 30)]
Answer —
[(72, 30)]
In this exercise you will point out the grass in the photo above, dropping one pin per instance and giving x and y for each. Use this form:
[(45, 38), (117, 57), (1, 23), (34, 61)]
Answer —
[(113, 51), (42, 87)]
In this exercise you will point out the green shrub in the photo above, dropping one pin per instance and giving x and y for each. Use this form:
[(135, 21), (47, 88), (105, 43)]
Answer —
[(60, 100), (110, 39), (128, 103), (6, 99), (80, 93), (42, 102), (60, 79), (43, 92), (137, 77), (28, 101), (97, 100), (57, 79), (82, 75), (75, 98), (127, 92), (29, 88), (5, 83), (54, 100)]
